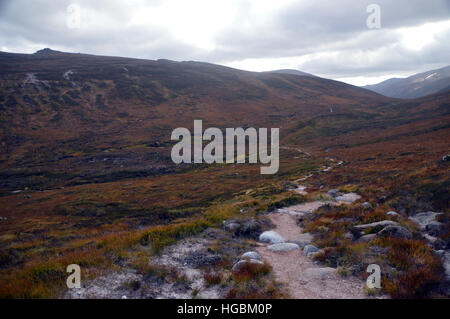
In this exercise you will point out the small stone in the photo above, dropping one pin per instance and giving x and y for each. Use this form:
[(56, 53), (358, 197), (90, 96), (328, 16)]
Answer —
[(271, 237), (124, 297)]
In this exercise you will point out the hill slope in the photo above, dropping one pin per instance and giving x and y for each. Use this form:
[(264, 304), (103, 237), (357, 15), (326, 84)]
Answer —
[(417, 85)]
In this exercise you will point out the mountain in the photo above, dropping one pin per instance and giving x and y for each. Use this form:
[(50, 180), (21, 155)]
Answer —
[(61, 109), (86, 178), (291, 71), (417, 85)]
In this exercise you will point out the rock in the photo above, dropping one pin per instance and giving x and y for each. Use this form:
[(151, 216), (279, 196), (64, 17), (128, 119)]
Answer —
[(366, 205), (309, 249), (436, 243), (282, 210), (376, 224), (230, 225), (395, 232), (271, 237), (283, 247), (311, 274), (304, 239), (435, 228), (348, 198), (333, 192), (366, 238), (124, 297), (251, 255), (446, 158), (425, 218), (392, 213), (241, 264), (349, 236)]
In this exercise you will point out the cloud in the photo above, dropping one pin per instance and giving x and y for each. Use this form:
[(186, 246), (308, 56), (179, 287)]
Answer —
[(328, 38)]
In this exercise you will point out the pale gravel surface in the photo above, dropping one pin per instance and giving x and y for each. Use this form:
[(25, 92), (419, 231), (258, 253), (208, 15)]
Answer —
[(289, 267)]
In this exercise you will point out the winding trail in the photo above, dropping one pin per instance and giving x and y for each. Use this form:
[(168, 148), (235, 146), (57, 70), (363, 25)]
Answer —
[(303, 277)]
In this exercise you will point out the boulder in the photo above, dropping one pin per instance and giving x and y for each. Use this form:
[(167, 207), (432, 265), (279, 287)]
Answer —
[(366, 205), (271, 237), (383, 223), (281, 247), (392, 213), (309, 249), (251, 255), (241, 264), (395, 232), (348, 198)]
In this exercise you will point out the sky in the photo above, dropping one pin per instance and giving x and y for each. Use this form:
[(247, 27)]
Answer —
[(328, 38)]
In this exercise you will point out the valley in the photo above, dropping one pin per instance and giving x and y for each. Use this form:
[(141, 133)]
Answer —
[(86, 177)]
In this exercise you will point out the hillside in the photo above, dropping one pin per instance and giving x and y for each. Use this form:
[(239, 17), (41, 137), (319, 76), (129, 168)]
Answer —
[(415, 86), (61, 109), (86, 178)]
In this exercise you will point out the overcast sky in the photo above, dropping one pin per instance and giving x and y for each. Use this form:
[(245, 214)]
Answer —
[(327, 38)]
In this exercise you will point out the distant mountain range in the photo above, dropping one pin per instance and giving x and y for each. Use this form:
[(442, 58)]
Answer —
[(417, 85)]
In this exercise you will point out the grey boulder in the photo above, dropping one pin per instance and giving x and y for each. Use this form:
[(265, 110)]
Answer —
[(309, 249), (395, 232), (271, 237)]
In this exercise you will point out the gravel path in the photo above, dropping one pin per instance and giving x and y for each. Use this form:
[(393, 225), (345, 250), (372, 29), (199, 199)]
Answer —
[(303, 277)]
